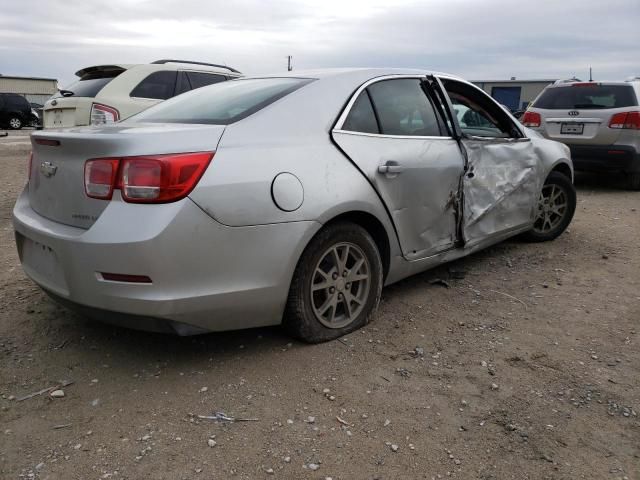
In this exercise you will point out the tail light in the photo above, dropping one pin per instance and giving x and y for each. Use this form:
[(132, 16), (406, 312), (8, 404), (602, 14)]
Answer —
[(99, 177), (531, 119), (146, 179), (103, 114), (626, 120)]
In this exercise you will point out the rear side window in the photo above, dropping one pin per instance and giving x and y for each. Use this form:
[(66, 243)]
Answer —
[(403, 108), (88, 87), (158, 85), (587, 96), (16, 101), (222, 103), (361, 117), (198, 79)]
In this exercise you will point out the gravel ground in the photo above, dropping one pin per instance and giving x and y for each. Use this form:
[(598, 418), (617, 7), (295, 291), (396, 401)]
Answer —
[(522, 364)]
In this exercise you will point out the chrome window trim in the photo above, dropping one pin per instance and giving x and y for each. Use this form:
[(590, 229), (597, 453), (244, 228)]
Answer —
[(347, 109), (382, 135), (496, 139)]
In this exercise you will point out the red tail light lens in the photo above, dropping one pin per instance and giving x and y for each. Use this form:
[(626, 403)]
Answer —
[(146, 179), (162, 178), (141, 179), (626, 120), (99, 177), (531, 119)]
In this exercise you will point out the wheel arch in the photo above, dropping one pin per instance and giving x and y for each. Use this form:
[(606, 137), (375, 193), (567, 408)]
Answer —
[(563, 168)]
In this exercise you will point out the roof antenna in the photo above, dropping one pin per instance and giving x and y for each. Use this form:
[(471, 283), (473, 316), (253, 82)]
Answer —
[(590, 75), (289, 67)]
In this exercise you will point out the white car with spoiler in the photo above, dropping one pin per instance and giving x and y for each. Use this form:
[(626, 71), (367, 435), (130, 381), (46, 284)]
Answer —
[(108, 93)]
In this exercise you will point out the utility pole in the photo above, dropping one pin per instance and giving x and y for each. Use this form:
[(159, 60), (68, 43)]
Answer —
[(289, 67), (590, 75)]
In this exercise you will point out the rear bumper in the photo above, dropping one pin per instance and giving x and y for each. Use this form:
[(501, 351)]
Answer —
[(605, 158), (205, 276)]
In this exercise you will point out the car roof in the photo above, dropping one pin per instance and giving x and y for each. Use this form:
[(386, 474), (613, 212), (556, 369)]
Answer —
[(160, 66), (357, 75), (595, 82)]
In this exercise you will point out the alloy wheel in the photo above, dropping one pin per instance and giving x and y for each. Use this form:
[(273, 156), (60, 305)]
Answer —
[(552, 207), (340, 285), (15, 123)]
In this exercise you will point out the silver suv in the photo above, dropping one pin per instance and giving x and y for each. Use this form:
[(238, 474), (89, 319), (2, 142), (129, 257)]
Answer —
[(599, 121)]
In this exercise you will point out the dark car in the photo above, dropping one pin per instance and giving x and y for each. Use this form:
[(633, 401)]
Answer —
[(36, 113), (15, 111)]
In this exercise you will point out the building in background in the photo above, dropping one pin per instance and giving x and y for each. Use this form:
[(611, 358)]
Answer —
[(514, 94), (36, 90)]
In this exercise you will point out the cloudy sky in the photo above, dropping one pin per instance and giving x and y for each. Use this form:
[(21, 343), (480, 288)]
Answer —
[(477, 39)]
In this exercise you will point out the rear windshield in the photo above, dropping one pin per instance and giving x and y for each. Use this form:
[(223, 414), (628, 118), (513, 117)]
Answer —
[(222, 103), (587, 97), (88, 87)]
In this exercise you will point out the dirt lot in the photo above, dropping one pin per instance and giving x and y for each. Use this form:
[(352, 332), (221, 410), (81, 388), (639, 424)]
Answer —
[(528, 367)]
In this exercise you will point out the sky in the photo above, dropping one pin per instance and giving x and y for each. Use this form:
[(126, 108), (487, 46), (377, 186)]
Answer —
[(476, 39)]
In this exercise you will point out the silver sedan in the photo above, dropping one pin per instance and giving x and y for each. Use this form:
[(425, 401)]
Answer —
[(286, 199)]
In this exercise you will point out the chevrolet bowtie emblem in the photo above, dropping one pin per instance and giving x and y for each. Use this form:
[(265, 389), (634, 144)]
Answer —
[(48, 169)]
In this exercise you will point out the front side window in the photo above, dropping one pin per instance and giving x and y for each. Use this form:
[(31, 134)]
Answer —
[(403, 108), (223, 103), (473, 119), (477, 114), (158, 85)]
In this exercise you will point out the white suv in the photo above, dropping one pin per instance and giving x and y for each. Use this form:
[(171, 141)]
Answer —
[(108, 93), (599, 121)]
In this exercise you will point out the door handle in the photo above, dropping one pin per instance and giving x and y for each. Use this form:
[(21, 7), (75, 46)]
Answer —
[(391, 167)]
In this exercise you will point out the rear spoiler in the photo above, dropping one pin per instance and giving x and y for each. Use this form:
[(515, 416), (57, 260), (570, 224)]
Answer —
[(106, 69)]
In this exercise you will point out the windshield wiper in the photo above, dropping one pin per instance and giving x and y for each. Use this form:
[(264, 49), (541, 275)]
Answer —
[(66, 93)]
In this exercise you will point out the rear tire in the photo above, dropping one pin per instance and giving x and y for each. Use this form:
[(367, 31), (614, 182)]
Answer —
[(336, 286), (556, 207), (15, 123)]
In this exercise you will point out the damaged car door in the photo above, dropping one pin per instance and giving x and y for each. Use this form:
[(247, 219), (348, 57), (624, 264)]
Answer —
[(502, 178), (392, 132)]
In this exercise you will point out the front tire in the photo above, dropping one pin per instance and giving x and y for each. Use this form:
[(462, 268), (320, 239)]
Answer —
[(336, 286), (555, 209), (15, 123)]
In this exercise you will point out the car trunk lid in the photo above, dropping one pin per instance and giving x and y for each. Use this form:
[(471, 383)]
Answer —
[(65, 112), (581, 126), (56, 185)]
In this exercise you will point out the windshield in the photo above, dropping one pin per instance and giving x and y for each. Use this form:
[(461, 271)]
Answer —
[(221, 103), (590, 96)]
